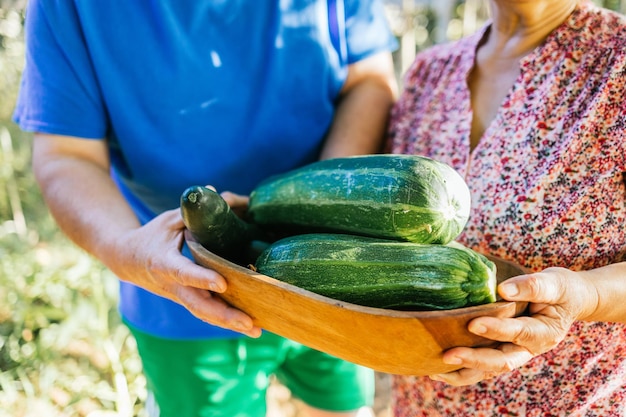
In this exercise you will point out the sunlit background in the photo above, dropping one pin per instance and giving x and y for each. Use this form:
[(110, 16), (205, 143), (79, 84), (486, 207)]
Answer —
[(63, 349)]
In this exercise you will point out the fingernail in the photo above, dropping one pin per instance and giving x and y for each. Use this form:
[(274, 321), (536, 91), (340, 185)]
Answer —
[(478, 329), (509, 290), (240, 325), (215, 287), (453, 360)]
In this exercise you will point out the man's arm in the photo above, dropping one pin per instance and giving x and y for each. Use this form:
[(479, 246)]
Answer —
[(363, 108), (73, 174)]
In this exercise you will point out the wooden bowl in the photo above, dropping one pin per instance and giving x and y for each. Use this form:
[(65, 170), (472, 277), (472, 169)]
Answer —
[(395, 342)]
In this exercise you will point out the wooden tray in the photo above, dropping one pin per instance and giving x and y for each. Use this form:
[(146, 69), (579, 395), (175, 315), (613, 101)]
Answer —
[(395, 342)]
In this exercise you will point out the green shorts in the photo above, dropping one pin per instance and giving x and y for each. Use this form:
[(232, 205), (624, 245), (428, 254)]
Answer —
[(230, 377)]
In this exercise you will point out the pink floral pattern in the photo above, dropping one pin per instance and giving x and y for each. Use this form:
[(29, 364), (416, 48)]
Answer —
[(548, 188)]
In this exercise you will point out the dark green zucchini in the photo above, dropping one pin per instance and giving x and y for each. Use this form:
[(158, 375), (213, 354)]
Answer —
[(400, 197), (214, 225), (382, 273)]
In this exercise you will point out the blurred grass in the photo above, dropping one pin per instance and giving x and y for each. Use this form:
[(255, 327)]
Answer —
[(63, 350)]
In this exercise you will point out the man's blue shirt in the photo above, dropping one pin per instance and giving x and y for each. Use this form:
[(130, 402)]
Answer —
[(191, 92)]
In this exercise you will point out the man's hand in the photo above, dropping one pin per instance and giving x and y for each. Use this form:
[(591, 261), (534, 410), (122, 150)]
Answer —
[(73, 174), (150, 257)]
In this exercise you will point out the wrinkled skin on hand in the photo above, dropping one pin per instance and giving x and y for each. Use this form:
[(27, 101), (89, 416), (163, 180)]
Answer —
[(557, 297), (150, 257)]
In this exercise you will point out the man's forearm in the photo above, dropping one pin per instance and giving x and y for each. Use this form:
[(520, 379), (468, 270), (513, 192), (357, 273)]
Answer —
[(82, 198), (360, 123), (362, 114)]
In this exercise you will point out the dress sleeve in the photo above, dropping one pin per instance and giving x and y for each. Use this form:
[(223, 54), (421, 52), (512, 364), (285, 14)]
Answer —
[(59, 93), (367, 29)]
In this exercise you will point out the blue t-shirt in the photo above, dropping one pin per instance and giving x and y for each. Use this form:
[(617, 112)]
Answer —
[(192, 92)]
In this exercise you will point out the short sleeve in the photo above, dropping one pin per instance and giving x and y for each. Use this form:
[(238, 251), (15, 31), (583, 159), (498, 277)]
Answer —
[(367, 29), (59, 93)]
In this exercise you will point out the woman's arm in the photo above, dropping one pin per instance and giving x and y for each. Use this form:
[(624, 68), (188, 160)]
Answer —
[(558, 297)]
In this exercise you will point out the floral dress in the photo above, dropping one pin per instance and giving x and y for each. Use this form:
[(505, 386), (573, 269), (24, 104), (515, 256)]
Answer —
[(548, 189)]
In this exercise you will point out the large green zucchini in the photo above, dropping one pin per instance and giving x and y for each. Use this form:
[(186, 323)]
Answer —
[(400, 197), (382, 273)]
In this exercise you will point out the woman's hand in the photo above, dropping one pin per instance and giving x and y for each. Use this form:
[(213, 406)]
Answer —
[(557, 297), (150, 257)]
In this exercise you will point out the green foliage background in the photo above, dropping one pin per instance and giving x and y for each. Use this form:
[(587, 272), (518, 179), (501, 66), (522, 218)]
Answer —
[(63, 349)]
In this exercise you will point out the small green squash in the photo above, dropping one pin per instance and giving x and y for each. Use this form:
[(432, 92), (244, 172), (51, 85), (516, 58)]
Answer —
[(215, 226)]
